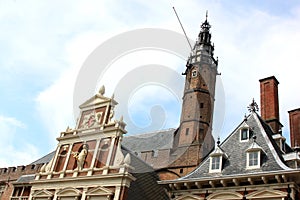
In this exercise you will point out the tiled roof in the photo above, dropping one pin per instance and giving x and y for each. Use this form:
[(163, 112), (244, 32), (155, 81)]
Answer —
[(235, 164), (150, 141)]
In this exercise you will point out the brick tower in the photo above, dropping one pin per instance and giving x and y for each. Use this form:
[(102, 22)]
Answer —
[(195, 132)]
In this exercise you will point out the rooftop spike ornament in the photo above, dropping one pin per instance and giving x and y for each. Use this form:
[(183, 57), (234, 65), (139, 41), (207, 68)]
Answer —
[(253, 107)]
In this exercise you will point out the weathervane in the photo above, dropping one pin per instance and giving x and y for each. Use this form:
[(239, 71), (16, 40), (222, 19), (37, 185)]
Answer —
[(253, 107)]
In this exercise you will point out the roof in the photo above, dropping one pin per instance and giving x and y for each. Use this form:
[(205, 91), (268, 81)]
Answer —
[(235, 164), (145, 187), (150, 141), (44, 159), (25, 178)]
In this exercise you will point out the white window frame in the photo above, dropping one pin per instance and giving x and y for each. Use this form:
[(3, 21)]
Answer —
[(211, 170), (248, 134), (258, 159)]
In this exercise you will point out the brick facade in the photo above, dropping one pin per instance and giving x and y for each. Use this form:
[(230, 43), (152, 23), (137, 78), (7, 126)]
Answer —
[(11, 174)]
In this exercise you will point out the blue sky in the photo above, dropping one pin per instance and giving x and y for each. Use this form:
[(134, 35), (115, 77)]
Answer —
[(43, 45)]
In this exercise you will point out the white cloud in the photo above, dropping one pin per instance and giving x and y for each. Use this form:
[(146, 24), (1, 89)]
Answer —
[(9, 127), (53, 40)]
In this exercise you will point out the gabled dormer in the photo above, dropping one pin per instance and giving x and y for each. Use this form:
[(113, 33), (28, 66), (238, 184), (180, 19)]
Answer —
[(254, 155), (245, 132), (217, 159)]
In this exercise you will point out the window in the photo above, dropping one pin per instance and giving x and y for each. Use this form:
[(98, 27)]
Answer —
[(187, 131), (244, 134), (215, 163), (253, 159)]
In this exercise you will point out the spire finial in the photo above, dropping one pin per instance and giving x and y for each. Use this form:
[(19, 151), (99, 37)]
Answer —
[(253, 107), (218, 142), (206, 14)]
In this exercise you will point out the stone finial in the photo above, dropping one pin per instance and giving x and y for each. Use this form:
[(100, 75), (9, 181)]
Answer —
[(68, 129), (218, 142), (101, 90), (112, 96)]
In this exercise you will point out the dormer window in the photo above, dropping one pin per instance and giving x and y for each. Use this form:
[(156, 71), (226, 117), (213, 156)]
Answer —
[(245, 133), (215, 163), (216, 159), (253, 159), (254, 155)]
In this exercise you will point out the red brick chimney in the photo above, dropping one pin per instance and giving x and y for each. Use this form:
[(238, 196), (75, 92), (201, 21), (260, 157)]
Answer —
[(295, 127), (269, 102)]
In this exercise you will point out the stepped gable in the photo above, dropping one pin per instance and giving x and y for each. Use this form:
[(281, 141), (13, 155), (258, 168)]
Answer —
[(235, 164)]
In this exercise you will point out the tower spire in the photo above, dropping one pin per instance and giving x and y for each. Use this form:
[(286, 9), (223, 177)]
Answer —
[(198, 97)]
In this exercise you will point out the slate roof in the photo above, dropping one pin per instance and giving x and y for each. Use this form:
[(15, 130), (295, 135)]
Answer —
[(150, 141), (44, 159), (145, 187), (25, 178), (235, 164)]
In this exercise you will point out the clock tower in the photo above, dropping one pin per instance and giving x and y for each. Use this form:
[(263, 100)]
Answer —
[(194, 135)]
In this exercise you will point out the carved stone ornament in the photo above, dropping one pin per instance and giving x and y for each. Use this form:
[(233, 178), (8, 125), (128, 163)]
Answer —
[(119, 157), (80, 156), (91, 120)]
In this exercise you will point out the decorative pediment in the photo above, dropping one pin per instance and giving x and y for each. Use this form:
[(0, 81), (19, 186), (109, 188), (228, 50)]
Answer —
[(67, 192), (189, 197), (99, 191), (98, 99), (224, 196), (262, 194), (95, 100), (42, 193)]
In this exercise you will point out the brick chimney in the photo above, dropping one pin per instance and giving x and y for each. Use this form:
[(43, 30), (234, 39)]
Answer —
[(269, 102), (295, 127)]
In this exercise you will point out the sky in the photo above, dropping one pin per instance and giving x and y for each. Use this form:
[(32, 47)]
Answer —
[(44, 45)]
